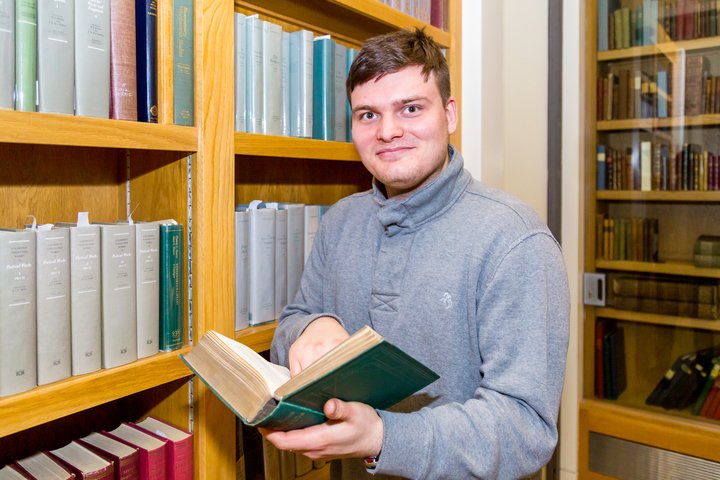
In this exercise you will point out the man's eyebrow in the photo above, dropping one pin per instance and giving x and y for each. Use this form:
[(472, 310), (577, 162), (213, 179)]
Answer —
[(402, 101)]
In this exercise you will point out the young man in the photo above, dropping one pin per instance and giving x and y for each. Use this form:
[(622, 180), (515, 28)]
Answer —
[(463, 277)]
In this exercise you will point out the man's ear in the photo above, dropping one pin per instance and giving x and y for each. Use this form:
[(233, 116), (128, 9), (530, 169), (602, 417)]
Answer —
[(451, 114)]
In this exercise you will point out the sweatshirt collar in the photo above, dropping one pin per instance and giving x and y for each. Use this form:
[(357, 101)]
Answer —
[(426, 203)]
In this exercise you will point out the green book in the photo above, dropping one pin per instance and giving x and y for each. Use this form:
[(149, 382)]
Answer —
[(171, 287), (364, 368), (25, 54), (183, 63), (324, 88)]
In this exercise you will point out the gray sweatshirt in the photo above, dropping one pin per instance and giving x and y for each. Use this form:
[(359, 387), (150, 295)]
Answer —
[(469, 281)]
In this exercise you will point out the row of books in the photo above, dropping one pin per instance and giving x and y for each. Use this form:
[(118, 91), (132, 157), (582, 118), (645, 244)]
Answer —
[(610, 369), (706, 251), (150, 449), (657, 167), (687, 89), (691, 382), (77, 297), (434, 12), (631, 239), (625, 25), (290, 83), (94, 58), (695, 298), (272, 243)]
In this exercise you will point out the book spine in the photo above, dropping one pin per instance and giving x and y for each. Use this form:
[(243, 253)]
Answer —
[(254, 74), (272, 78), (92, 58), (147, 244), (601, 172), (183, 63), (56, 57), (262, 266), (339, 92), (53, 305), (240, 58), (285, 84), (7, 54), (301, 84), (602, 28), (119, 324), (25, 54), (18, 328), (351, 54), (242, 272), (311, 225), (281, 256), (85, 299), (323, 89), (123, 68), (171, 287), (296, 253), (146, 60)]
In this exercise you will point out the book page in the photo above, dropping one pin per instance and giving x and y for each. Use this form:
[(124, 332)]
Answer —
[(274, 375)]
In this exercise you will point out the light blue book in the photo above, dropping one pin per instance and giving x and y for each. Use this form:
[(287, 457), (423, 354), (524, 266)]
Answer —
[(662, 94), (240, 112), (602, 28), (340, 93), (324, 88), (301, 84), (272, 78), (7, 54), (285, 84), (253, 74)]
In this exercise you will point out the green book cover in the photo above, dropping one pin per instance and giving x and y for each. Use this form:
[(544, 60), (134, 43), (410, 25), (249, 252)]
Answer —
[(324, 88), (183, 63), (171, 287), (364, 368), (25, 54)]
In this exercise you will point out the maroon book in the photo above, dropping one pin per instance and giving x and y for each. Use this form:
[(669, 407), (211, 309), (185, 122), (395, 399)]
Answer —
[(123, 71), (179, 449), (151, 450), (125, 458)]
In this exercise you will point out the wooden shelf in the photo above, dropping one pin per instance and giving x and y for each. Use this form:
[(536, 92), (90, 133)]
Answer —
[(656, 319), (669, 268), (687, 435), (251, 144), (668, 48), (54, 129), (258, 338), (652, 123), (78, 393), (659, 196), (346, 20)]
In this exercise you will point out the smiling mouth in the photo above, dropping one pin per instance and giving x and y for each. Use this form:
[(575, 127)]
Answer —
[(391, 151)]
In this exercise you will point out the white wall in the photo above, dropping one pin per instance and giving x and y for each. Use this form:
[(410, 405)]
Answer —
[(504, 131)]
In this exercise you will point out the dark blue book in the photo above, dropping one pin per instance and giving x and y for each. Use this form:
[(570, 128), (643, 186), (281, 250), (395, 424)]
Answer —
[(146, 44), (601, 167), (324, 88)]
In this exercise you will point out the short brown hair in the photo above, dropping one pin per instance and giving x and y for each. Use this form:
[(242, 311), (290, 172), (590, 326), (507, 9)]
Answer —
[(391, 52)]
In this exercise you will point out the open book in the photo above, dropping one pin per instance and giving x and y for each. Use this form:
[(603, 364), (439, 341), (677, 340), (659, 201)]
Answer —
[(364, 368)]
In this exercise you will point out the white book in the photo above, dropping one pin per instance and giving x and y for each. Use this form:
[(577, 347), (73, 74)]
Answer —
[(7, 54), (312, 224), (285, 84), (18, 307), (240, 113), (85, 296), (92, 58), (261, 305), (119, 324), (254, 74), (56, 56), (646, 166), (147, 287), (272, 78), (340, 92), (281, 256), (53, 304), (242, 269), (295, 248), (301, 83)]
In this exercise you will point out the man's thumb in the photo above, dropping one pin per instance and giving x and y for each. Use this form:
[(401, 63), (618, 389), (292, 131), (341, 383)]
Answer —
[(334, 409)]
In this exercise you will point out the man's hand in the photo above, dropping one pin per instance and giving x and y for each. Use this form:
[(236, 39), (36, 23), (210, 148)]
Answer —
[(319, 337), (353, 430)]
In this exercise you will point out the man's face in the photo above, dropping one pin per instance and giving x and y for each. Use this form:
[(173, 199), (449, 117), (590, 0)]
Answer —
[(400, 128)]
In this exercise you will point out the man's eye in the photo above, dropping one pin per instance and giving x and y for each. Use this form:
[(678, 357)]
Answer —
[(367, 115), (412, 109)]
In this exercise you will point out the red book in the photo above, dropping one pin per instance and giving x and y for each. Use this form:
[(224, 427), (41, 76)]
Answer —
[(151, 450), (126, 459), (123, 71), (599, 360), (711, 402), (438, 14), (84, 463), (179, 449), (41, 466)]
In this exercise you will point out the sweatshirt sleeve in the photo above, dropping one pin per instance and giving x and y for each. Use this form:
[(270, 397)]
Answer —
[(508, 429)]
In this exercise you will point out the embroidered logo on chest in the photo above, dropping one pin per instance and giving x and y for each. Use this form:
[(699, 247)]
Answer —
[(446, 300)]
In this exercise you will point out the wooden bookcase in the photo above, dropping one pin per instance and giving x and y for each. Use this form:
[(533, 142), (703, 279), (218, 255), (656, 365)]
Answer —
[(54, 166), (652, 341)]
